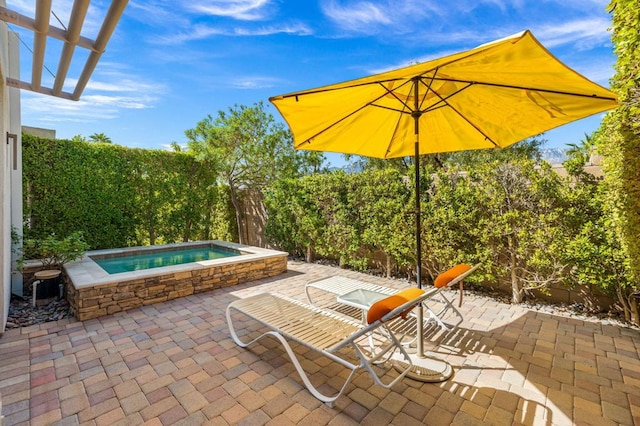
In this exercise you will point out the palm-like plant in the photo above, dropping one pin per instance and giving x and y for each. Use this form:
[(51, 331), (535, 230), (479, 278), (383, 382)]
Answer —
[(100, 138)]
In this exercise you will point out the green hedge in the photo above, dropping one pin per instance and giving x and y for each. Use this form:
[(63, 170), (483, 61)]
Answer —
[(529, 227), (119, 197), (618, 140)]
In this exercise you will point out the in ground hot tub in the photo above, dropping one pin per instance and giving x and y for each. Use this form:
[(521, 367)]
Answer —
[(162, 272)]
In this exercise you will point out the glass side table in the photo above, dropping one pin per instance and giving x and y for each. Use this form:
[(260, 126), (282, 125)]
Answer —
[(361, 299)]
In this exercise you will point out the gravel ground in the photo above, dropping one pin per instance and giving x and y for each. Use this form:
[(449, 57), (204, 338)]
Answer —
[(22, 314)]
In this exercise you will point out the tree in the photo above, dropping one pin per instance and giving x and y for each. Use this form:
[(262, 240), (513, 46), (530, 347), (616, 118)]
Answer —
[(578, 155), (99, 138), (79, 138), (521, 223), (249, 149)]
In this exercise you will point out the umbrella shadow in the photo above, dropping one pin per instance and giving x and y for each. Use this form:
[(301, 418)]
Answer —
[(545, 365)]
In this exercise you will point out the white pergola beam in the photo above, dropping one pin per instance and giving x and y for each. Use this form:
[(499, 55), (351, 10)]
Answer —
[(12, 82), (76, 20), (71, 38), (40, 42)]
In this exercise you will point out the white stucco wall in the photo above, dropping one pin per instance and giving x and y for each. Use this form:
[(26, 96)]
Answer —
[(10, 170), (15, 151), (5, 183)]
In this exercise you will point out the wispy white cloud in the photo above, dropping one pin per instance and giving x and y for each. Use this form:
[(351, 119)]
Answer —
[(203, 19), (49, 109), (369, 17), (356, 15), (254, 82), (89, 108), (583, 33), (107, 95), (112, 77), (204, 31), (452, 23), (245, 10), (125, 85), (183, 13), (120, 102), (195, 32), (598, 71), (156, 12), (299, 29)]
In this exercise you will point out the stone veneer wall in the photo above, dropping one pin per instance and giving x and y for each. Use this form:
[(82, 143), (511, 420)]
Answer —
[(93, 302)]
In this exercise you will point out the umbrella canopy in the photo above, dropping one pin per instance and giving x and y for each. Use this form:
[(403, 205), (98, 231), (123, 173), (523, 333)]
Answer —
[(488, 97)]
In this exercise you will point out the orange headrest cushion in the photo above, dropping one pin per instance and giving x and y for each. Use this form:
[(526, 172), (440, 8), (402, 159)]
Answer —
[(449, 275), (388, 304)]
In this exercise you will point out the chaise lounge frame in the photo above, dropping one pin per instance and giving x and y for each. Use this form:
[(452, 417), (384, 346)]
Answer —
[(325, 332)]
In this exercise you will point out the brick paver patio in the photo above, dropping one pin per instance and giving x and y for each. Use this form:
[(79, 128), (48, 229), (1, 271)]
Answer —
[(175, 363)]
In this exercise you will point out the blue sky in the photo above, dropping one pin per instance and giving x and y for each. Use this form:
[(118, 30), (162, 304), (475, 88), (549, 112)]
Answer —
[(171, 62)]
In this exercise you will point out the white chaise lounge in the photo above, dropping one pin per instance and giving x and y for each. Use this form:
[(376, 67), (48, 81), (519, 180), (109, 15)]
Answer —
[(334, 336)]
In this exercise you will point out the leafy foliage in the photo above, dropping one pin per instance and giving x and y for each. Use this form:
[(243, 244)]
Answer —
[(249, 149), (54, 252), (340, 216), (117, 196), (521, 222), (619, 142), (381, 199), (530, 227)]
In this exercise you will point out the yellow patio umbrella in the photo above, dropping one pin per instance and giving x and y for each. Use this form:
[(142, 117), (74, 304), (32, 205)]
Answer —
[(489, 97)]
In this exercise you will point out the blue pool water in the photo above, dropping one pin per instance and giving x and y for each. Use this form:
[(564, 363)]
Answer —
[(141, 260)]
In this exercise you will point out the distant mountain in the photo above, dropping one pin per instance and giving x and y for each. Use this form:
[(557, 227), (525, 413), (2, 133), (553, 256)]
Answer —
[(554, 155)]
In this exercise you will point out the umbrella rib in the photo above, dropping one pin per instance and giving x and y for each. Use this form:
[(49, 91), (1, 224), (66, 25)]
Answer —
[(428, 86), (533, 89), (392, 93), (401, 111), (331, 89)]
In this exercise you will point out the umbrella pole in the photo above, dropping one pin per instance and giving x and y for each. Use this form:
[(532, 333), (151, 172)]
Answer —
[(416, 114), (419, 330), (423, 368)]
